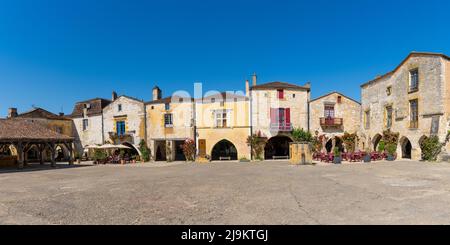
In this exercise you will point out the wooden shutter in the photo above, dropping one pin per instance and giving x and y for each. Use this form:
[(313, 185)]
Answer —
[(273, 115), (287, 114)]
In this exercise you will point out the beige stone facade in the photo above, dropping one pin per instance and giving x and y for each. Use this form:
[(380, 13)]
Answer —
[(276, 109), (413, 100), (332, 115), (124, 121), (223, 125), (169, 124)]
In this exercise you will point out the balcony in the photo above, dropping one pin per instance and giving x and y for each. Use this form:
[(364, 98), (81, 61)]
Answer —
[(331, 122), (281, 127)]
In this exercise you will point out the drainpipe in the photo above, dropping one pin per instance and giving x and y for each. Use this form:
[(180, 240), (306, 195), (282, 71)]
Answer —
[(251, 122), (103, 133)]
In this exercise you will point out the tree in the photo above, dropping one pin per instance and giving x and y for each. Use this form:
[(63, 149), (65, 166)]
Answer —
[(302, 136), (257, 143), (145, 151), (189, 149)]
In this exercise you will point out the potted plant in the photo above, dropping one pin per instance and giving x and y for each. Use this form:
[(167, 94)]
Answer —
[(77, 157), (367, 157), (381, 146), (337, 156), (391, 149), (244, 159)]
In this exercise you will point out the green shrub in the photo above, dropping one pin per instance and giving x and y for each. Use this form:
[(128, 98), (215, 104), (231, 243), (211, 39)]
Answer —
[(381, 146), (145, 151), (99, 155), (431, 147), (257, 143), (391, 149), (337, 152), (302, 136)]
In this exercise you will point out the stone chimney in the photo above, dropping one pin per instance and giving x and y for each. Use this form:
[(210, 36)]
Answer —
[(307, 85), (254, 78), (113, 96), (157, 94), (247, 88), (12, 112)]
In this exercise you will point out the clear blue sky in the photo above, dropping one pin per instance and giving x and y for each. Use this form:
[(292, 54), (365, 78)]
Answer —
[(54, 53)]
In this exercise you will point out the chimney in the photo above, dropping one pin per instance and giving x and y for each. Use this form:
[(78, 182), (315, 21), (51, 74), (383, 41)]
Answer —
[(247, 88), (254, 77), (114, 96), (12, 112), (307, 85), (61, 114), (157, 94)]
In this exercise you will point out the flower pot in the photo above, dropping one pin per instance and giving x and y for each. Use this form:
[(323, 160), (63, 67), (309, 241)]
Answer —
[(367, 158), (390, 158), (337, 160)]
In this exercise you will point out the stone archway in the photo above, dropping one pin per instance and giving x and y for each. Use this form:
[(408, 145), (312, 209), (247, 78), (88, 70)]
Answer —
[(406, 148), (224, 150), (277, 147), (376, 140), (329, 145)]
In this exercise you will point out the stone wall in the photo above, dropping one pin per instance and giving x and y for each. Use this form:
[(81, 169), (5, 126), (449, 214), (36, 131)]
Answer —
[(431, 100)]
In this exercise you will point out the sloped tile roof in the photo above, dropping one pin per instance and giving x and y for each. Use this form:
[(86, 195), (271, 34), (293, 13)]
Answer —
[(41, 113), (26, 129), (97, 106), (279, 85)]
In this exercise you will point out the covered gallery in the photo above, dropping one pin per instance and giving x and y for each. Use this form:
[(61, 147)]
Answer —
[(20, 136)]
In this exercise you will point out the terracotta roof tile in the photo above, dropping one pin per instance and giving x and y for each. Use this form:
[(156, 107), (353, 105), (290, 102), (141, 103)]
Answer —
[(26, 129), (279, 85)]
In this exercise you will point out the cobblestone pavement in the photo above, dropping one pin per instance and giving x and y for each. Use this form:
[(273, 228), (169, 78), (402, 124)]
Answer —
[(403, 192)]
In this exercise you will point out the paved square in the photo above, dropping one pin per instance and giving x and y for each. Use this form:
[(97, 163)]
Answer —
[(229, 193)]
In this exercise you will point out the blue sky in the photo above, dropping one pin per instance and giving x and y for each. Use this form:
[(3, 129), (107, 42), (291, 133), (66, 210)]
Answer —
[(54, 53)]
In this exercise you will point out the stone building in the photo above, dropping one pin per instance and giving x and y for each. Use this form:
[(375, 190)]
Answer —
[(124, 121), (276, 109), (413, 100), (222, 126), (331, 115), (169, 124), (39, 149), (87, 118)]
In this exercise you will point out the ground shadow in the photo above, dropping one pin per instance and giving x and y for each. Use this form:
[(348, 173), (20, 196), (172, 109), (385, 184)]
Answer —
[(31, 167)]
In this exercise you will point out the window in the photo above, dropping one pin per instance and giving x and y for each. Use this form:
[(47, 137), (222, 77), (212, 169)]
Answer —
[(339, 99), (329, 111), (167, 106), (389, 90), (367, 119), (280, 118), (85, 124), (389, 116), (414, 80), (221, 119), (213, 100), (293, 95), (414, 113), (168, 120), (280, 93), (120, 128), (119, 107)]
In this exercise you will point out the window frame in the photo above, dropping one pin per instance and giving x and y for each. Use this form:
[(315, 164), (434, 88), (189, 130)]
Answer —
[(121, 128), (414, 76), (85, 124), (221, 119), (414, 117), (168, 120), (388, 120), (367, 119), (119, 107)]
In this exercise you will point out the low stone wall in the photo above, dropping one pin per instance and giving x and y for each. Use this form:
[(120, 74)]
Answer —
[(300, 153)]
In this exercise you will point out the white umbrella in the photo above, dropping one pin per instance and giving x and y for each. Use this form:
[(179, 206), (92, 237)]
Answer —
[(108, 146), (123, 147), (91, 147)]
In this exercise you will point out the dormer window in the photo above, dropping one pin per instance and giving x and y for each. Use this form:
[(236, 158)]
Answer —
[(119, 107), (339, 99)]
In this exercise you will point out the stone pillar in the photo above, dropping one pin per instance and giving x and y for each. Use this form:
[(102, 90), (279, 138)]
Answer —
[(41, 154), (71, 153)]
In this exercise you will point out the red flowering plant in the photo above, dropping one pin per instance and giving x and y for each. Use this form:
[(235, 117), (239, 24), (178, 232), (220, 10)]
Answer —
[(189, 149)]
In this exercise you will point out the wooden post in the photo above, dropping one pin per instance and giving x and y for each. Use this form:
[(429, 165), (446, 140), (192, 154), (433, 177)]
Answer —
[(70, 149), (20, 155), (41, 153), (52, 157)]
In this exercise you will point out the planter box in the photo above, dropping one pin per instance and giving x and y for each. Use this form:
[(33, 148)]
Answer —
[(337, 160), (300, 153), (390, 158)]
